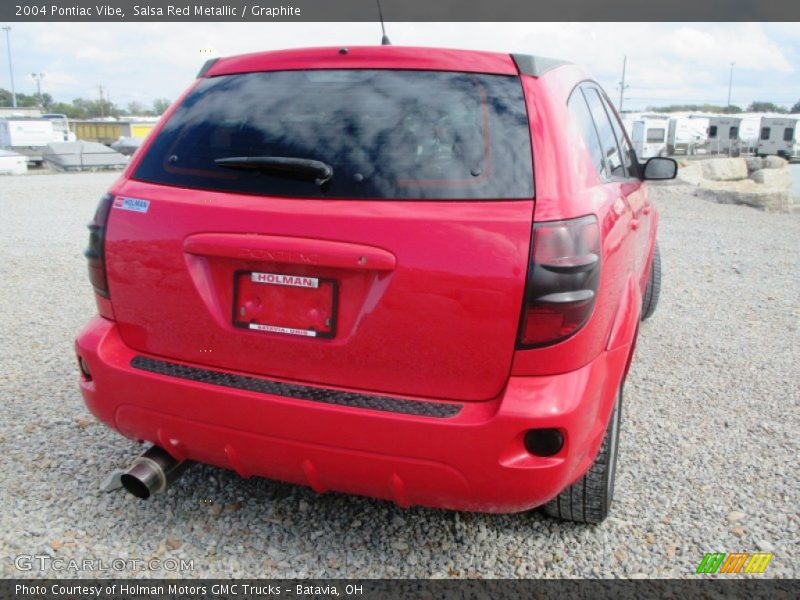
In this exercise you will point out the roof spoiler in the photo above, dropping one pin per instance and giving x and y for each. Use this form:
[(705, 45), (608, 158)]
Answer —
[(206, 66), (536, 66)]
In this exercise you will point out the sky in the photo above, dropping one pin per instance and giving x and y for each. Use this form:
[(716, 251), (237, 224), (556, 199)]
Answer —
[(668, 63)]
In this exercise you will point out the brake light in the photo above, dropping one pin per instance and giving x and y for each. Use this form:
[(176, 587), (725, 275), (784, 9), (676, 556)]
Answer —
[(95, 253), (563, 277)]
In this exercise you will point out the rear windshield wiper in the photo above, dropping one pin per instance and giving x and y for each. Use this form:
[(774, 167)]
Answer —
[(282, 166)]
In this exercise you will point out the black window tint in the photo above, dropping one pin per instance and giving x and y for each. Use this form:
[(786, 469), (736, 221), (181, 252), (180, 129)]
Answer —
[(733, 133), (765, 131), (788, 134), (628, 156), (385, 133), (580, 114), (712, 131), (608, 140)]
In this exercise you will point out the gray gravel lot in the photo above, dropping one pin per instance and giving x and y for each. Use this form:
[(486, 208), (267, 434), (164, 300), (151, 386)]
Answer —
[(708, 454)]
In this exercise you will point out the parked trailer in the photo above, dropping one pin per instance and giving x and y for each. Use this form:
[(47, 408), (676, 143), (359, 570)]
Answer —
[(723, 135), (687, 135), (648, 135), (779, 137), (749, 132), (28, 136), (108, 132)]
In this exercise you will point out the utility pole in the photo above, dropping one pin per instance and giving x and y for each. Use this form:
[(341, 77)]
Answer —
[(38, 78), (730, 85), (622, 86), (102, 108), (7, 29)]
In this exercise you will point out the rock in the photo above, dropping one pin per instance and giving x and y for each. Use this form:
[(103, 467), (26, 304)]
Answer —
[(754, 163), (725, 169), (400, 546), (780, 178), (173, 544), (765, 546), (691, 173), (112, 481), (735, 515), (774, 162), (768, 199)]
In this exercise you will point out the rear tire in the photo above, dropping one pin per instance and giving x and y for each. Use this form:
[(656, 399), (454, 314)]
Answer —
[(653, 289), (588, 500)]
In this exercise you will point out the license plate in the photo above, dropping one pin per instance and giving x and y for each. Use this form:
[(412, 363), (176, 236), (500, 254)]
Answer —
[(286, 303)]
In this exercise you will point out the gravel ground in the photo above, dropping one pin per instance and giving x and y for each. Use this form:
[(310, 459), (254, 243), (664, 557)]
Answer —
[(708, 455)]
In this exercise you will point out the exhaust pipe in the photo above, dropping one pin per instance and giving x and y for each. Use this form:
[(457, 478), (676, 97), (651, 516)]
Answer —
[(152, 473)]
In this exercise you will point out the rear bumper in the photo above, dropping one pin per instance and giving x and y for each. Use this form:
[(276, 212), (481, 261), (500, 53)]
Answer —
[(474, 460)]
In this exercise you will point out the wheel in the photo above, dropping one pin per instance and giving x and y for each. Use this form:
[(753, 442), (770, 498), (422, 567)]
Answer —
[(653, 290), (588, 500)]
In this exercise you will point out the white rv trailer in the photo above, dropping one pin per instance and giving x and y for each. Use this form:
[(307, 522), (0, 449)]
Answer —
[(723, 135), (28, 136), (749, 131), (648, 134), (779, 136), (687, 134)]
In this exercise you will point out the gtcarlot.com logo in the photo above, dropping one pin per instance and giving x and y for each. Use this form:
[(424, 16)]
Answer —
[(43, 562), (734, 562)]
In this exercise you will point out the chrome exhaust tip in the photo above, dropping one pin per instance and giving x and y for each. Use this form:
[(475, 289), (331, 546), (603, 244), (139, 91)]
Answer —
[(152, 473)]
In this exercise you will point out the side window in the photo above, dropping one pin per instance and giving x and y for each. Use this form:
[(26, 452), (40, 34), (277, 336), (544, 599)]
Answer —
[(656, 135), (765, 131), (628, 155), (608, 139), (580, 114), (712, 131), (733, 133), (788, 134)]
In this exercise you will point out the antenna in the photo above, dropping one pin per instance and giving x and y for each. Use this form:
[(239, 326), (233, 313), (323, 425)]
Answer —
[(385, 39)]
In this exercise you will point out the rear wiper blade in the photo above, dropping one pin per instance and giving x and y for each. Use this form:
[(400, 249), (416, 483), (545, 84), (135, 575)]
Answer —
[(282, 166)]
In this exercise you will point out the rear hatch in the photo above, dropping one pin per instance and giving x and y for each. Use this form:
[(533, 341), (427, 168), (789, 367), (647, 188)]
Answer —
[(366, 229)]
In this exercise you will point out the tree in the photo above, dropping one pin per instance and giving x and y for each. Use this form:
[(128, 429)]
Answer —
[(795, 108), (160, 105), (710, 108), (136, 108), (23, 100), (761, 106)]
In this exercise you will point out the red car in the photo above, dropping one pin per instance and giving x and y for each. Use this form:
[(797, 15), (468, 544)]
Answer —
[(406, 273)]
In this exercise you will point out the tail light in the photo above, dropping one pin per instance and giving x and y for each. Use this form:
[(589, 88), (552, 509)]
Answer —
[(95, 253), (563, 277)]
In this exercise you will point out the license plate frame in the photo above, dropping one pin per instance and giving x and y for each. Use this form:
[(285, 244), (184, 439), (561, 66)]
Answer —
[(289, 285)]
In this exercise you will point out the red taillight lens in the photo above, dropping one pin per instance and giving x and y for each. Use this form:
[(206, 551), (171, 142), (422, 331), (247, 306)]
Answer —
[(95, 253), (563, 278)]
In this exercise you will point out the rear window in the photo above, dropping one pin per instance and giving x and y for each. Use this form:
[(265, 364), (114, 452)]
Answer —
[(386, 134)]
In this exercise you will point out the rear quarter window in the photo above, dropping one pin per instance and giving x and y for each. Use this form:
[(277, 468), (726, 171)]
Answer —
[(387, 134)]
